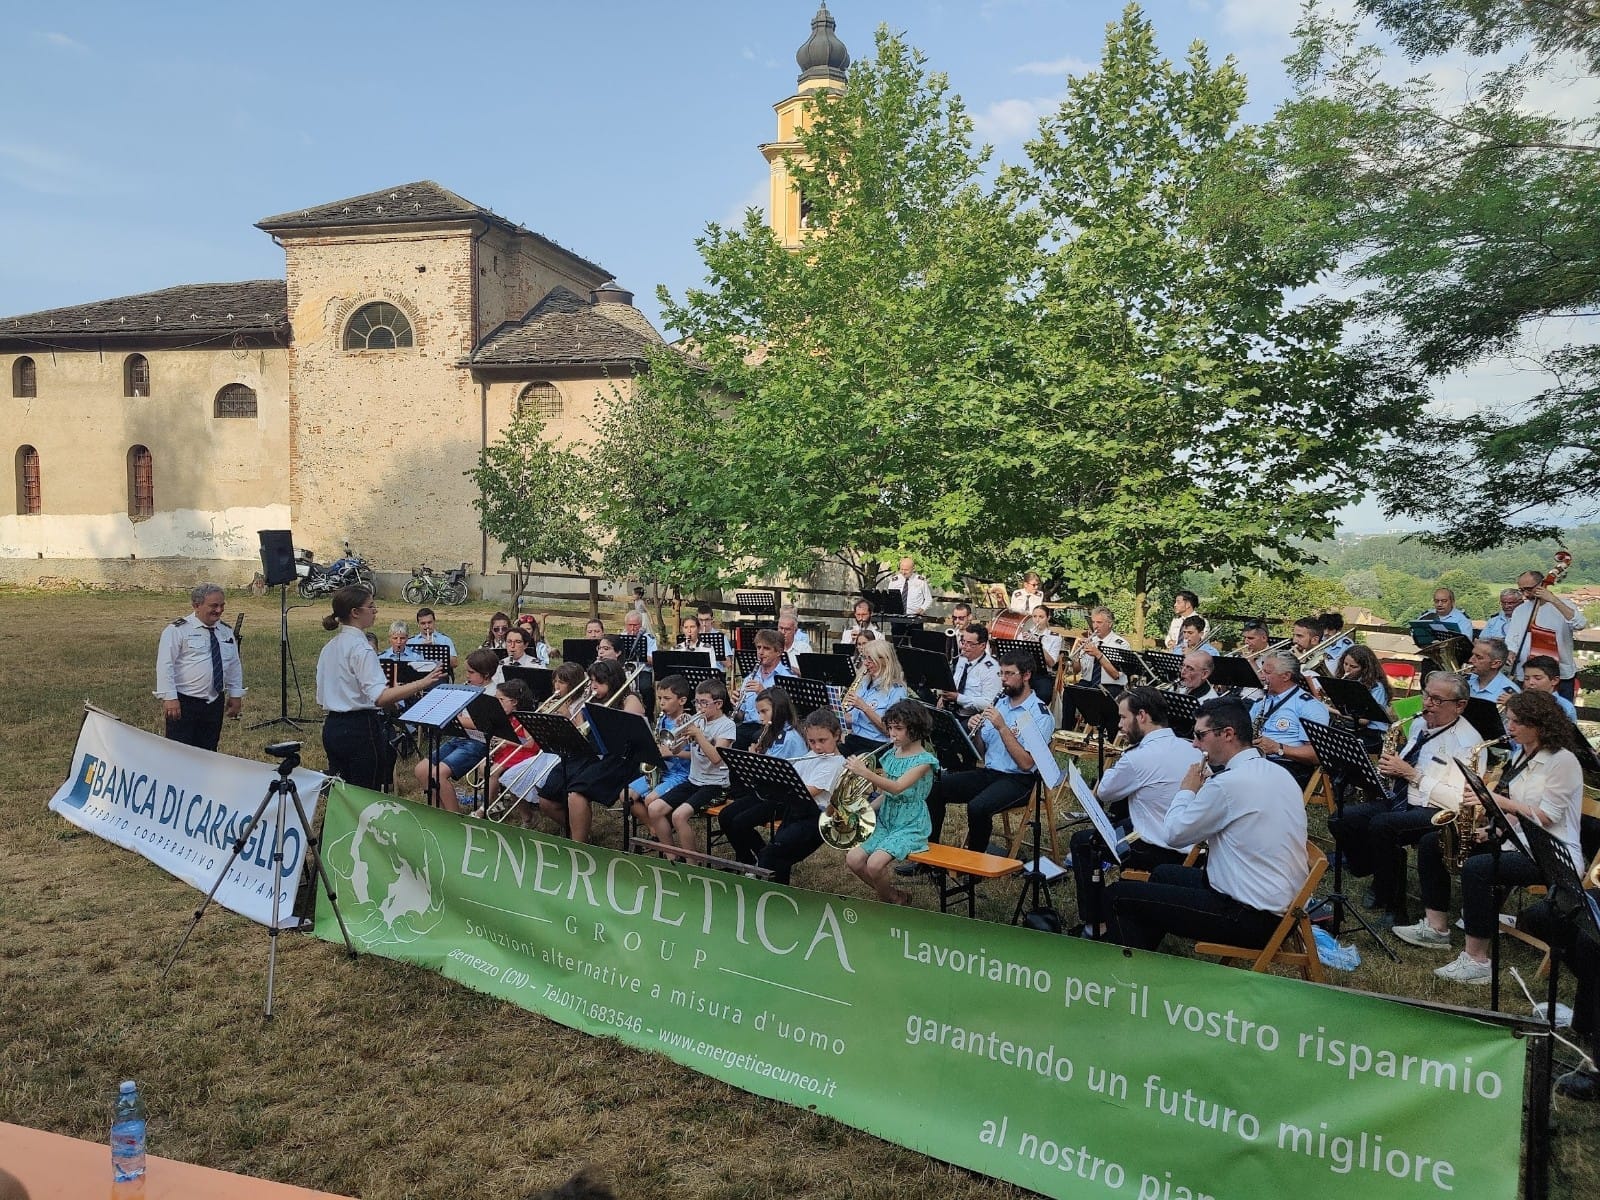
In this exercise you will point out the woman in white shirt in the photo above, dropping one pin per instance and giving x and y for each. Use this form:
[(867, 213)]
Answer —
[(351, 685), (1544, 787)]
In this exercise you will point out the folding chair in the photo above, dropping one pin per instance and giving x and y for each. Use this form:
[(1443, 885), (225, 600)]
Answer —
[(1293, 930)]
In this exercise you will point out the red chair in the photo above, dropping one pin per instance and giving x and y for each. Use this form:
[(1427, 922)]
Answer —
[(1402, 675)]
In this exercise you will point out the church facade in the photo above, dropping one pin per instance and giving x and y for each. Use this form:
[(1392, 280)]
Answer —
[(153, 436)]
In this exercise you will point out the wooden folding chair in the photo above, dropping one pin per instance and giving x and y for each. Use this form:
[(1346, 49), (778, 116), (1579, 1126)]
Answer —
[(1320, 791), (1047, 818), (1293, 931)]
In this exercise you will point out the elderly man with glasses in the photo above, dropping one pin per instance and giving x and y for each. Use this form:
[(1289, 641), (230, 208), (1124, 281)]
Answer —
[(1373, 836)]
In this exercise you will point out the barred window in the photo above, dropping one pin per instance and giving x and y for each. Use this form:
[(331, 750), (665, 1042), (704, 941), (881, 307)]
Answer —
[(24, 378), (377, 326), (136, 375), (542, 399), (27, 481), (141, 483), (236, 400)]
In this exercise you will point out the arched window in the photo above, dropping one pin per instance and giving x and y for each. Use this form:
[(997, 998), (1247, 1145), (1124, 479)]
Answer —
[(136, 375), (24, 378), (377, 326), (541, 399), (235, 400), (141, 483), (27, 481)]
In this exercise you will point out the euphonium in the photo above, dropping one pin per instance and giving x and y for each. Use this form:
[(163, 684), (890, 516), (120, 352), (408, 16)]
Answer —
[(850, 819), (1461, 831)]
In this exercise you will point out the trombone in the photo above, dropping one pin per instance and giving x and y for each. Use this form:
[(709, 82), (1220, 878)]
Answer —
[(587, 697)]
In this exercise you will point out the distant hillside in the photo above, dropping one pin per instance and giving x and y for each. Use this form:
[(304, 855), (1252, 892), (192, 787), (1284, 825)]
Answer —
[(1496, 567)]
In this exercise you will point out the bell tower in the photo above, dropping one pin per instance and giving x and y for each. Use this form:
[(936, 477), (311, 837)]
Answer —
[(823, 61)]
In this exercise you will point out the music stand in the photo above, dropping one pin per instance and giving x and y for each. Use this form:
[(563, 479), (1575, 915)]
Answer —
[(635, 647), (1034, 650), (677, 662), (1340, 750), (433, 710), (1166, 665), (952, 745), (927, 674), (746, 661), (579, 650), (719, 643), (1486, 718), (436, 653), (1105, 828), (618, 733), (1182, 711), (774, 779), (1233, 673), (886, 602), (1100, 711), (829, 668), (1353, 700), (757, 604), (934, 640), (283, 717), (811, 694), (541, 681), (1125, 661)]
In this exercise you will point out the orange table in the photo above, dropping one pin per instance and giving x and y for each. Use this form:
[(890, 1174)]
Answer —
[(53, 1167)]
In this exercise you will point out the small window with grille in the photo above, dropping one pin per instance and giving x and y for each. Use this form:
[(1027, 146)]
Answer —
[(236, 400), (141, 483), (136, 375), (542, 400), (378, 326)]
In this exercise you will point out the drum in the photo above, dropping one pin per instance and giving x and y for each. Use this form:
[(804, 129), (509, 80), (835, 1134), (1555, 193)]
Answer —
[(1007, 623)]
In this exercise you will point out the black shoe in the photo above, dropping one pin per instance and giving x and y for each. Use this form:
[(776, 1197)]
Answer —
[(1385, 920), (909, 868), (1579, 1085)]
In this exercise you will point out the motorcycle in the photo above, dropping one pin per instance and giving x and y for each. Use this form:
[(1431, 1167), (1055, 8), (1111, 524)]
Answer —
[(318, 580)]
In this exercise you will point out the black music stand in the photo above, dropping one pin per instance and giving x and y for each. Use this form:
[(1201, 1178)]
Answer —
[(400, 673), (1182, 712), (678, 662), (1485, 716), (829, 668), (1167, 665), (1353, 699), (1100, 711), (952, 745), (1342, 751), (500, 652), (936, 641), (618, 733), (774, 779), (1034, 650), (759, 605), (719, 643), (541, 681), (635, 647), (582, 651), (810, 694), (433, 710), (1125, 661), (927, 674), (746, 662), (436, 653), (1233, 673)]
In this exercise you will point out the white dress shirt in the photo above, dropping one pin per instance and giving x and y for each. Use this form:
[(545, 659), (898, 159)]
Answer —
[(183, 661), (1550, 619), (1087, 663), (348, 675), (1441, 781), (1147, 776), (1553, 782), (1253, 822), (977, 681), (917, 592)]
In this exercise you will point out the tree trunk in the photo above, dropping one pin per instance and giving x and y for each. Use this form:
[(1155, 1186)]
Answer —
[(1141, 583)]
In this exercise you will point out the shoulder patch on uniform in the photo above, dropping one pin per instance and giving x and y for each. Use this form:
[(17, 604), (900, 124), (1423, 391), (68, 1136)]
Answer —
[(1306, 696), (179, 621)]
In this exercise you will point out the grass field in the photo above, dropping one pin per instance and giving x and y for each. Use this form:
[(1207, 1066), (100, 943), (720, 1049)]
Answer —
[(377, 1079)]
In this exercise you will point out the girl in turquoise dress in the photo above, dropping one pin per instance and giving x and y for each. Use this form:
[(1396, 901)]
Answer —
[(903, 779)]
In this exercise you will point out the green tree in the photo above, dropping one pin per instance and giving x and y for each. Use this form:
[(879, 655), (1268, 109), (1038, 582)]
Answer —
[(1277, 597), (1191, 408), (1472, 230), (863, 363), (530, 500)]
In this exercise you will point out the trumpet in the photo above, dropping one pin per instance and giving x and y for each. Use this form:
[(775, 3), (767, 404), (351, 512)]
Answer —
[(850, 819), (679, 737)]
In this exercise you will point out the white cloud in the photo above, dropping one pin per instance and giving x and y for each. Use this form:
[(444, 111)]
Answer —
[(1010, 121), (50, 172), (1055, 68), (61, 42)]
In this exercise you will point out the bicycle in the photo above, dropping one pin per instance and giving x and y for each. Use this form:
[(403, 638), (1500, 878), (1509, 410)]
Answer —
[(425, 587)]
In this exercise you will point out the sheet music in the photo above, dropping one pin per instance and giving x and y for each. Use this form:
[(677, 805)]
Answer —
[(1097, 815)]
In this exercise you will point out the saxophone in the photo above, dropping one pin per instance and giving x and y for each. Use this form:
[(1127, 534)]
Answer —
[(1461, 831), (850, 819)]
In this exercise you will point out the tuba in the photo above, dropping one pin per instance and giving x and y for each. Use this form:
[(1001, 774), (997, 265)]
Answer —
[(1461, 831), (850, 819)]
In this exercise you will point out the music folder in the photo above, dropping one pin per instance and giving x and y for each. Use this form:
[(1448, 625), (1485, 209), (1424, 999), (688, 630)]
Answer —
[(490, 718), (441, 704), (618, 733), (829, 668)]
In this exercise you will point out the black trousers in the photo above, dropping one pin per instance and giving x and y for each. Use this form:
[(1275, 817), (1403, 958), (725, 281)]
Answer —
[(1373, 838), (1089, 859), (1179, 901), (358, 749), (199, 722), (741, 822), (797, 839), (985, 792), (1480, 881), (1579, 955)]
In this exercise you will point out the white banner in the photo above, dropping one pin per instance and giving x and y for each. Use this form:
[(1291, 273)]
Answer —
[(184, 809)]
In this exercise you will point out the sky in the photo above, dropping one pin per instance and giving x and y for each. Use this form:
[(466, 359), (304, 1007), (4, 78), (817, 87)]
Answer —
[(140, 143)]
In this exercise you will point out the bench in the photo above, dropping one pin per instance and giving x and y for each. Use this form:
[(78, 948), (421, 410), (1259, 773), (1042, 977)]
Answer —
[(959, 869)]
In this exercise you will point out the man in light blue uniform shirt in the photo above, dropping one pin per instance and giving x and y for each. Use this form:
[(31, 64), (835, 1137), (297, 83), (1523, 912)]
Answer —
[(1279, 713)]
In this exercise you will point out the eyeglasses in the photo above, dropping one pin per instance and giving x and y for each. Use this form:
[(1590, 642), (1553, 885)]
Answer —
[(1430, 698), (1201, 735)]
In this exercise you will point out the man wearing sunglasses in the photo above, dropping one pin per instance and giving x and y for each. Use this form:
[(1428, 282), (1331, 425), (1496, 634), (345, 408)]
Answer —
[(1249, 813)]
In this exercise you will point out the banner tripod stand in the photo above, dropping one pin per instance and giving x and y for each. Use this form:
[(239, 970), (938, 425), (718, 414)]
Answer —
[(281, 785)]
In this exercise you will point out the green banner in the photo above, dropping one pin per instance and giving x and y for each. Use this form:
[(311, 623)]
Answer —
[(1067, 1067)]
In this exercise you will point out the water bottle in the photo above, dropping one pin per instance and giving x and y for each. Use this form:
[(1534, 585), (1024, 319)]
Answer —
[(127, 1135)]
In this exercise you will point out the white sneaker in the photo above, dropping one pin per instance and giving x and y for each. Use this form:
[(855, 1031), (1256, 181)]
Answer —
[(1422, 934), (1465, 970)]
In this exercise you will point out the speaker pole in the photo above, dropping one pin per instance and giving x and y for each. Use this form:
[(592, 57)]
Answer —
[(277, 564)]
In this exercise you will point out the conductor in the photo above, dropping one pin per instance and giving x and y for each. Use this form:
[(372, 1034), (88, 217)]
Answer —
[(198, 674)]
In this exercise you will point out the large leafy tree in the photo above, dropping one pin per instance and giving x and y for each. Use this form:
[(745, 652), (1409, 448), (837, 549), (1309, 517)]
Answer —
[(1471, 225), (857, 364), (1194, 410)]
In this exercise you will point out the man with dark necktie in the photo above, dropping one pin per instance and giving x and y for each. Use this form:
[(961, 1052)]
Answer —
[(977, 675), (198, 675)]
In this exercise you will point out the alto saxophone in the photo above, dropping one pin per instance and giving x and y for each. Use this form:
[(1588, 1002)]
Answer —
[(1461, 831)]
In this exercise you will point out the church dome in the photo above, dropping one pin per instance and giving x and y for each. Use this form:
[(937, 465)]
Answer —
[(823, 56)]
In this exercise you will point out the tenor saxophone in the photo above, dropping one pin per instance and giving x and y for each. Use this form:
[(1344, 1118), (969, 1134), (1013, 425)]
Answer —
[(1461, 831)]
